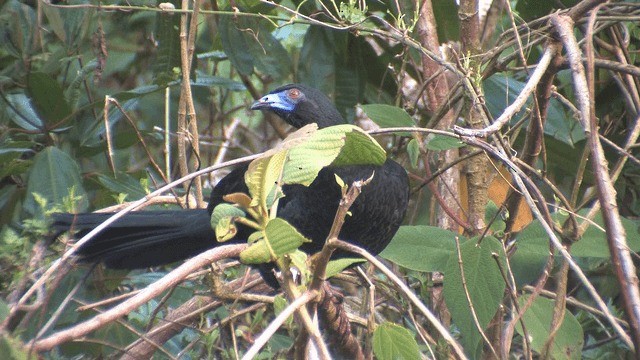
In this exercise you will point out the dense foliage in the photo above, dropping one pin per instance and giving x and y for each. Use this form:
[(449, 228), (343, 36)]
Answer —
[(521, 240)]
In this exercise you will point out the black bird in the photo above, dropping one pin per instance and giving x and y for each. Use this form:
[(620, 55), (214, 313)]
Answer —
[(152, 238)]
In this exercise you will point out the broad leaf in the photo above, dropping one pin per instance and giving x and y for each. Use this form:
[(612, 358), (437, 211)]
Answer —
[(484, 284), (533, 246), (421, 248), (388, 116), (393, 342), (47, 96), (569, 339), (22, 112), (52, 175), (299, 158), (279, 238)]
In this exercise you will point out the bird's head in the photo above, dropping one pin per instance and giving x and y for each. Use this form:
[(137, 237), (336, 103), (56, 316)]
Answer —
[(300, 105)]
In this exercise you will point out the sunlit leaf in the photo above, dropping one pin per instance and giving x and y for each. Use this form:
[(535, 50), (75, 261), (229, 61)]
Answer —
[(393, 342), (279, 238)]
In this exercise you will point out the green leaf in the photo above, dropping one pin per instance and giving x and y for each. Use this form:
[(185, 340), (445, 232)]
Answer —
[(208, 81), (388, 116), (224, 210), (223, 221), (279, 304), (12, 348), (359, 147), (335, 267), (317, 64), (123, 183), (249, 43), (393, 342), (413, 149), (262, 178), (493, 216), (438, 142), (533, 245), (501, 91), (22, 112), (279, 238), (70, 25), (421, 248), (16, 24), (484, 284), (299, 158), (568, 341), (52, 175)]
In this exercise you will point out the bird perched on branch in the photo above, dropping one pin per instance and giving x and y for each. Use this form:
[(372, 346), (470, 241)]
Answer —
[(152, 238)]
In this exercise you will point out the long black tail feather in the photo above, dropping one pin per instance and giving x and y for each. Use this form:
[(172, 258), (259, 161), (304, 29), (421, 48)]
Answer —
[(141, 239)]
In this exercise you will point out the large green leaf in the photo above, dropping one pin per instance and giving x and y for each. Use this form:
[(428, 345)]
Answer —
[(569, 339), (484, 284), (299, 158), (279, 238), (388, 116), (52, 176), (421, 248), (47, 96), (393, 342)]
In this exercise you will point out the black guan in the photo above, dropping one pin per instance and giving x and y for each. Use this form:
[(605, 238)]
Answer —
[(151, 238)]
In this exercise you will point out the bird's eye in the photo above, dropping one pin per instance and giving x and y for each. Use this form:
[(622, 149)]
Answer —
[(294, 94)]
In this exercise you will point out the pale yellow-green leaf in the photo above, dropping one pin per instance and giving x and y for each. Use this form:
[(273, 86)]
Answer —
[(279, 238), (225, 229), (262, 177)]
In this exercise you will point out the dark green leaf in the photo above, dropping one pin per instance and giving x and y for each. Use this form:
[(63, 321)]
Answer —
[(123, 184), (569, 339), (70, 25), (484, 284), (48, 98), (52, 176), (17, 21), (168, 50), (249, 43), (421, 248), (218, 81), (317, 59), (393, 342)]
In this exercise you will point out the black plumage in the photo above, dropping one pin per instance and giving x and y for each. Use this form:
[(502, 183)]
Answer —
[(151, 238)]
